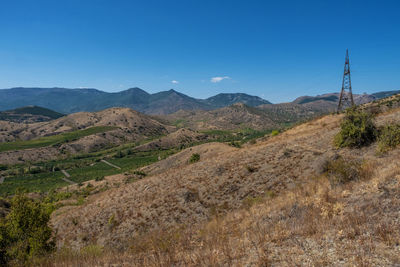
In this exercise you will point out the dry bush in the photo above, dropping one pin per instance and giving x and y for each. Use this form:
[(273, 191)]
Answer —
[(343, 170)]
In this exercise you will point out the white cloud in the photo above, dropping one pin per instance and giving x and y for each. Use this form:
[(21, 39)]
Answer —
[(174, 82), (219, 79)]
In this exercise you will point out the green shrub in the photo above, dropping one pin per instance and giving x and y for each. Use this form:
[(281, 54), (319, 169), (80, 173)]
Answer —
[(389, 137), (119, 154), (80, 201), (194, 158), (274, 132), (24, 233), (53, 196), (356, 130), (235, 144), (99, 178)]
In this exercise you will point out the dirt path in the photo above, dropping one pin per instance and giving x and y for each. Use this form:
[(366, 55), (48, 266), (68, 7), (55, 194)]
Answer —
[(110, 164), (67, 175)]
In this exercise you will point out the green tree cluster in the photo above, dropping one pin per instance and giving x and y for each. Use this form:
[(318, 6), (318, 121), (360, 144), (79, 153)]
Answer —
[(24, 232)]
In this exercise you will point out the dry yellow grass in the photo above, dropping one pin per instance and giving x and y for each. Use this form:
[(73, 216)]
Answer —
[(282, 211)]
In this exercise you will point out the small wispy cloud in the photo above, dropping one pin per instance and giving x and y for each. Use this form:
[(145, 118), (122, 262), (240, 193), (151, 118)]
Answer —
[(174, 82), (219, 79)]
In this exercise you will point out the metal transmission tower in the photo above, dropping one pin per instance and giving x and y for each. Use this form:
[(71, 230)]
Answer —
[(346, 96)]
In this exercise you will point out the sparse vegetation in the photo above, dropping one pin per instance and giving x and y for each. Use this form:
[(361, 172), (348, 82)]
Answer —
[(356, 130)]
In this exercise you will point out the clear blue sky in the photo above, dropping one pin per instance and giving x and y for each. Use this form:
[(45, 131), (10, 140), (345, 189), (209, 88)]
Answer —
[(274, 49)]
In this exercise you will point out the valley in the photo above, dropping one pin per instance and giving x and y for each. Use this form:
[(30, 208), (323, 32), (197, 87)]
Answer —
[(199, 133), (117, 176)]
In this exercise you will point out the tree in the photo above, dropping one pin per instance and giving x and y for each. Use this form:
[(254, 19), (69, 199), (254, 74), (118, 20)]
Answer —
[(24, 233)]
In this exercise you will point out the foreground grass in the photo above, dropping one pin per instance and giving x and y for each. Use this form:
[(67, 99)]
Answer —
[(314, 224), (55, 139)]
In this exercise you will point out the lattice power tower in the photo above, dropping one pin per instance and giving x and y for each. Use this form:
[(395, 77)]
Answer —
[(346, 96)]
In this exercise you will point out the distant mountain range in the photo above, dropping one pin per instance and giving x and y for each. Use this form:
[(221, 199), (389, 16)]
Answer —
[(74, 100), (68, 101)]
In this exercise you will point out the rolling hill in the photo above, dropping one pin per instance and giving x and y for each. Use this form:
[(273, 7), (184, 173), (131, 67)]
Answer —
[(29, 114), (241, 116), (236, 116), (75, 133)]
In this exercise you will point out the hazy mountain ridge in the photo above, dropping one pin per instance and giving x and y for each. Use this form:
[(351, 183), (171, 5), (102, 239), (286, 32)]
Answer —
[(68, 101), (75, 100)]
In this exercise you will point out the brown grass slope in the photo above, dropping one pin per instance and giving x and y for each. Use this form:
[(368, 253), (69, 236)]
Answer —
[(222, 210), (233, 117), (120, 117), (132, 126), (180, 138)]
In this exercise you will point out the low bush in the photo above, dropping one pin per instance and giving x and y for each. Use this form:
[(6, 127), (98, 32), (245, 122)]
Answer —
[(99, 178), (119, 154), (356, 130), (341, 171), (235, 144), (250, 168), (274, 132), (140, 173), (194, 158), (389, 137)]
